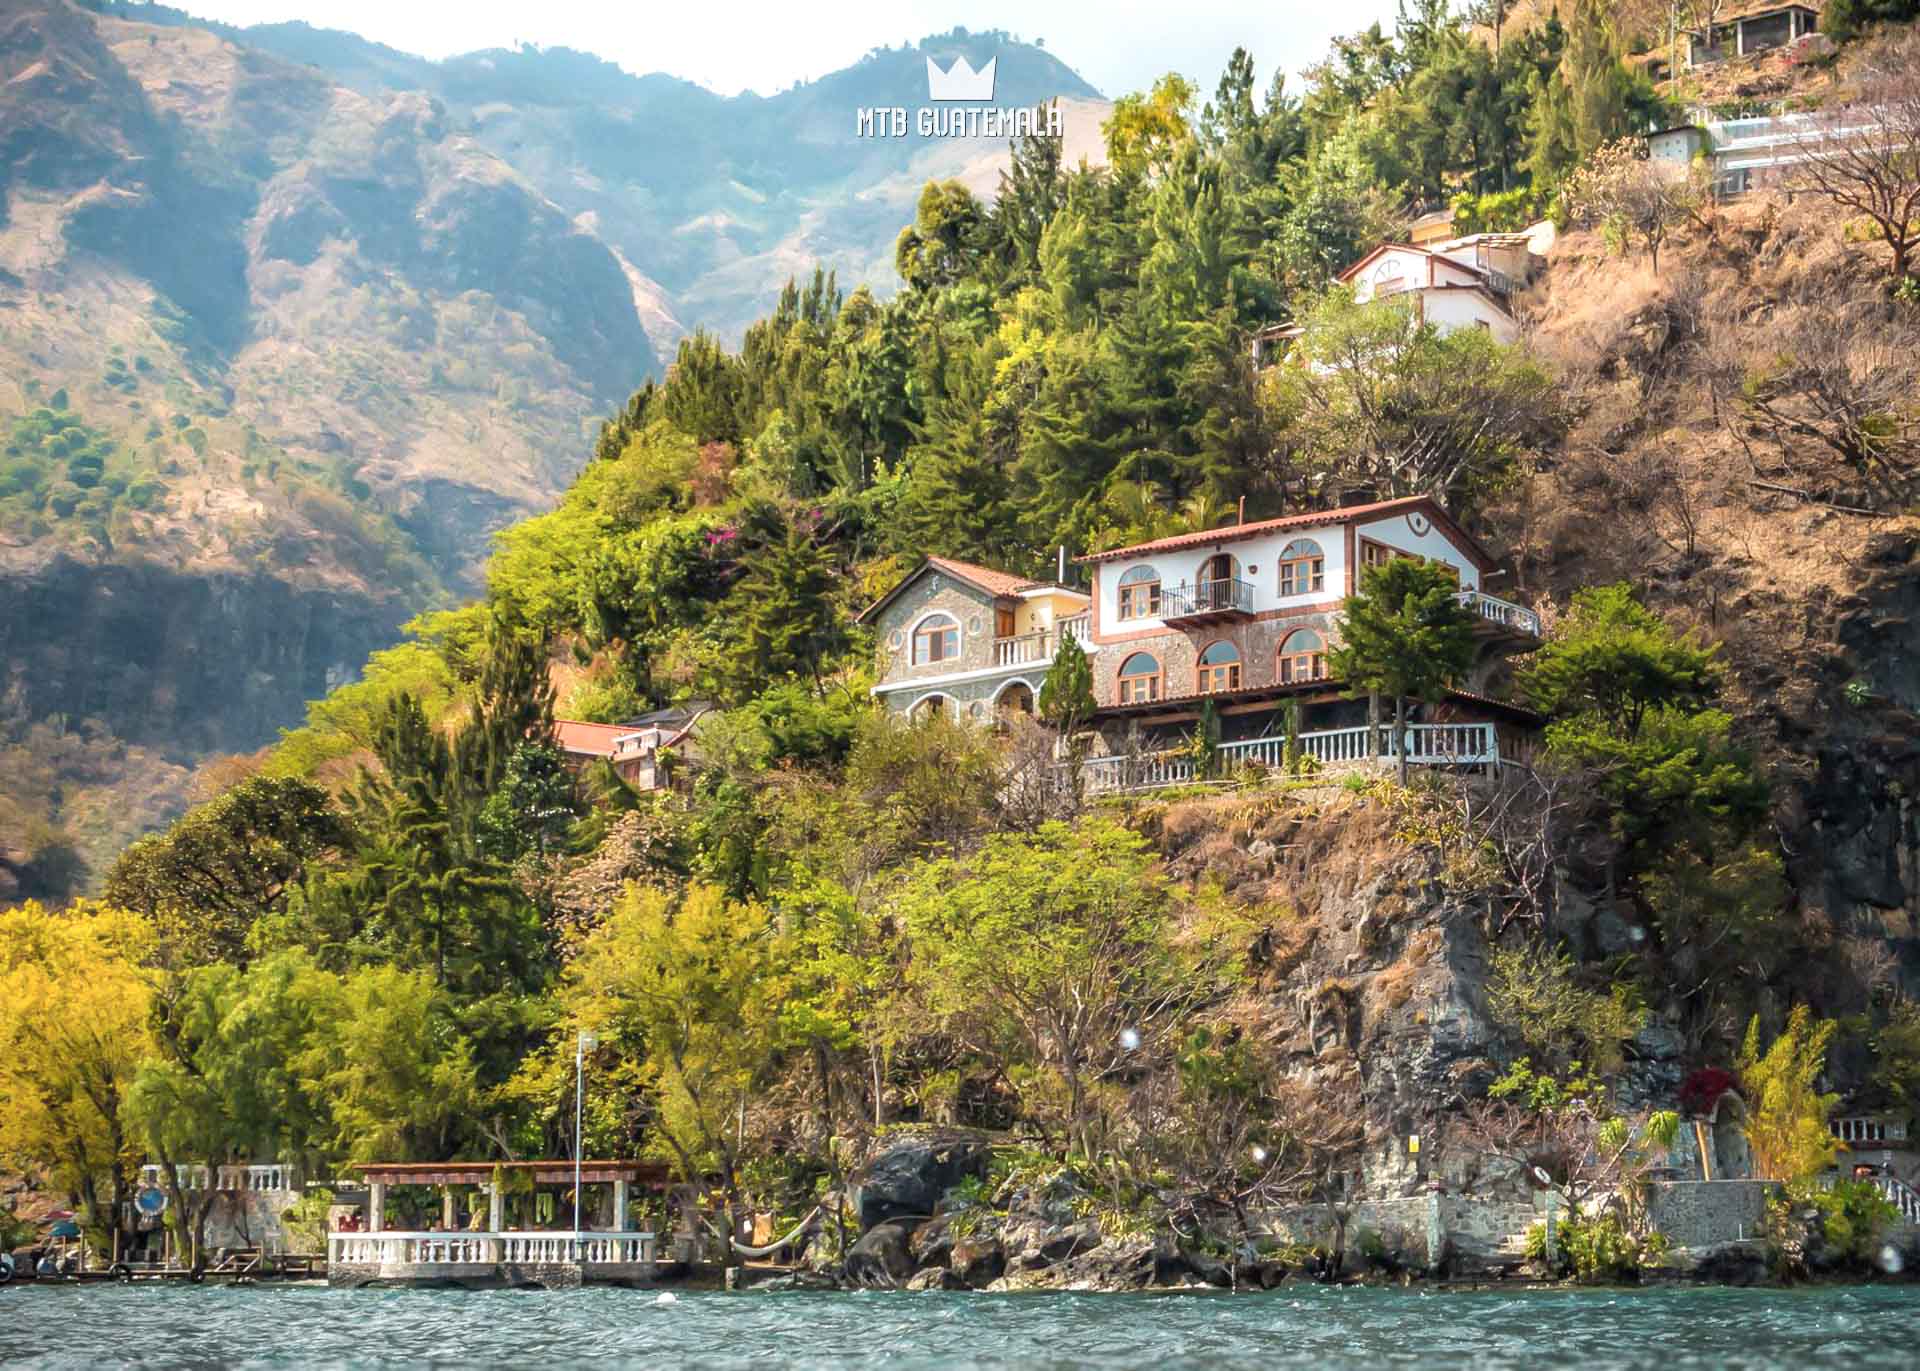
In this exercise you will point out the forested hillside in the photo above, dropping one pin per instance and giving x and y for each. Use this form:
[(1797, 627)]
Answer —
[(1704, 476), (290, 325)]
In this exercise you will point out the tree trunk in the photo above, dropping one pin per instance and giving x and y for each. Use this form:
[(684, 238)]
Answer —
[(833, 1155), (1400, 734)]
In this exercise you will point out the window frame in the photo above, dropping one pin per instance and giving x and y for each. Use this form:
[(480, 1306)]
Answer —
[(1316, 564), (1127, 590), (923, 634), (1214, 678), (1315, 658), (1153, 681)]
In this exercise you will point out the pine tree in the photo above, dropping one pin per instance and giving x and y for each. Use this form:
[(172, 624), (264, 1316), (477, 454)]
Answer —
[(1405, 634)]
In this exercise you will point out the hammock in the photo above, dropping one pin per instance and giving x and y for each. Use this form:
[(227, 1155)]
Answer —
[(743, 1250)]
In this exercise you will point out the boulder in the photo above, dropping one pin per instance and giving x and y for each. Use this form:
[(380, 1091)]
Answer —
[(1727, 1263), (881, 1259), (978, 1262), (1210, 1269), (933, 1241), (936, 1278), (1124, 1264), (907, 1180), (1034, 1243)]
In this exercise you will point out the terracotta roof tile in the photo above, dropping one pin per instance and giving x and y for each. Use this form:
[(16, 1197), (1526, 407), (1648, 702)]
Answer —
[(593, 740), (1236, 532), (994, 582)]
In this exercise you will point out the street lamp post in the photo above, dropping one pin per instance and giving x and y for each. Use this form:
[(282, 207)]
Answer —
[(587, 1043)]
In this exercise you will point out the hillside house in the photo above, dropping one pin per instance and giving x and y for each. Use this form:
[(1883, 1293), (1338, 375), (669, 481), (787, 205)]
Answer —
[(1748, 30), (1754, 153), (970, 641), (633, 748), (1451, 282), (1243, 615)]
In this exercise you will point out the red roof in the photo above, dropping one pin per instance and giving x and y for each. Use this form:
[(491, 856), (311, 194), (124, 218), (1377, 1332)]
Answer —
[(989, 580), (589, 740), (981, 578), (1234, 533)]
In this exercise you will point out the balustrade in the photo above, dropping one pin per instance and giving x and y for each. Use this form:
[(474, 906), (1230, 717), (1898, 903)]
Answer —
[(489, 1249), (1427, 745), (1501, 612)]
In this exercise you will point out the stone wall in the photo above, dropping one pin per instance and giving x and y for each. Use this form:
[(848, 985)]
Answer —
[(1178, 652), (1706, 1213), (1404, 1230), (935, 590)]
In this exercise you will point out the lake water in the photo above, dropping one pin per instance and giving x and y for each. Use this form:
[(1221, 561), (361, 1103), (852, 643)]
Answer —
[(174, 1326)]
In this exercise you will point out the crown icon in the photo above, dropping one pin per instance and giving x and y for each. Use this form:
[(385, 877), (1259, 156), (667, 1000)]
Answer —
[(961, 82)]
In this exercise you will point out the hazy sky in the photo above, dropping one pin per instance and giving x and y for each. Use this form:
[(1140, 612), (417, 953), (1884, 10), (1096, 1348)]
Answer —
[(1118, 46)]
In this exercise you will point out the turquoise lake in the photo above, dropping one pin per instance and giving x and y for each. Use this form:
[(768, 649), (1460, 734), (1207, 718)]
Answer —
[(160, 1326)]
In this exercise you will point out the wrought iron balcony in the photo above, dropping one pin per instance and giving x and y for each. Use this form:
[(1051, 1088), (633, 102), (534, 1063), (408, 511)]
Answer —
[(1221, 598)]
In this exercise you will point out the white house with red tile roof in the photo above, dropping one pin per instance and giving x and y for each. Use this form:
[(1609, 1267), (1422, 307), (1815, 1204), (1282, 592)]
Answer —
[(1244, 615)]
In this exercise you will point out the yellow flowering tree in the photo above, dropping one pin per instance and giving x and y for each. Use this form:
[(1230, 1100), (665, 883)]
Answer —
[(74, 1011), (1786, 1113)]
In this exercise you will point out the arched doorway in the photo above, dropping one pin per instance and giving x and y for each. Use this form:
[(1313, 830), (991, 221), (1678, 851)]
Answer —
[(1214, 586), (931, 707), (1016, 697)]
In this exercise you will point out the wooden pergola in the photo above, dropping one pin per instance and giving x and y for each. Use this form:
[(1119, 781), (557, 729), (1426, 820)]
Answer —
[(622, 1175)]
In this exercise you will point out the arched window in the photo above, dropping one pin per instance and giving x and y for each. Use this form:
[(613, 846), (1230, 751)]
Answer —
[(936, 639), (1219, 668), (1303, 568), (1139, 678), (1303, 657), (1139, 593)]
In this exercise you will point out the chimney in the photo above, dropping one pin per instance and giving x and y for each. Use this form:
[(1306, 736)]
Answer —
[(1062, 576), (1243, 509)]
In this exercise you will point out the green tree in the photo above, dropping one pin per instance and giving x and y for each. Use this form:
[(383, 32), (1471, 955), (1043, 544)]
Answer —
[(1845, 20), (1144, 132), (75, 1003), (533, 806), (221, 1090), (1405, 635), (787, 618), (1613, 658), (208, 879), (688, 991), (1066, 703), (1055, 943), (1384, 402)]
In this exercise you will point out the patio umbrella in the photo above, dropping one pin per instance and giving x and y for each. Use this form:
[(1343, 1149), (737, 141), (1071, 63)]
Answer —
[(66, 1228)]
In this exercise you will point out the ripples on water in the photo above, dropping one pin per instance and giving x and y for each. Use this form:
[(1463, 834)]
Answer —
[(1675, 1330)]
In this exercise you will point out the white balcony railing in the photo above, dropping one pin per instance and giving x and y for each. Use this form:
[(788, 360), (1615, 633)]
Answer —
[(1502, 612), (1039, 646), (1427, 745), (1024, 648), (265, 1177), (489, 1249)]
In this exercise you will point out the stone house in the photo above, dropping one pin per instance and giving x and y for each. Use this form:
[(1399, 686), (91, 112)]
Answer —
[(969, 640)]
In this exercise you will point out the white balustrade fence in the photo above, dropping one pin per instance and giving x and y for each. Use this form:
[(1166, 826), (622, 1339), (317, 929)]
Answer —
[(1502, 612), (268, 1176), (489, 1249), (1427, 745)]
